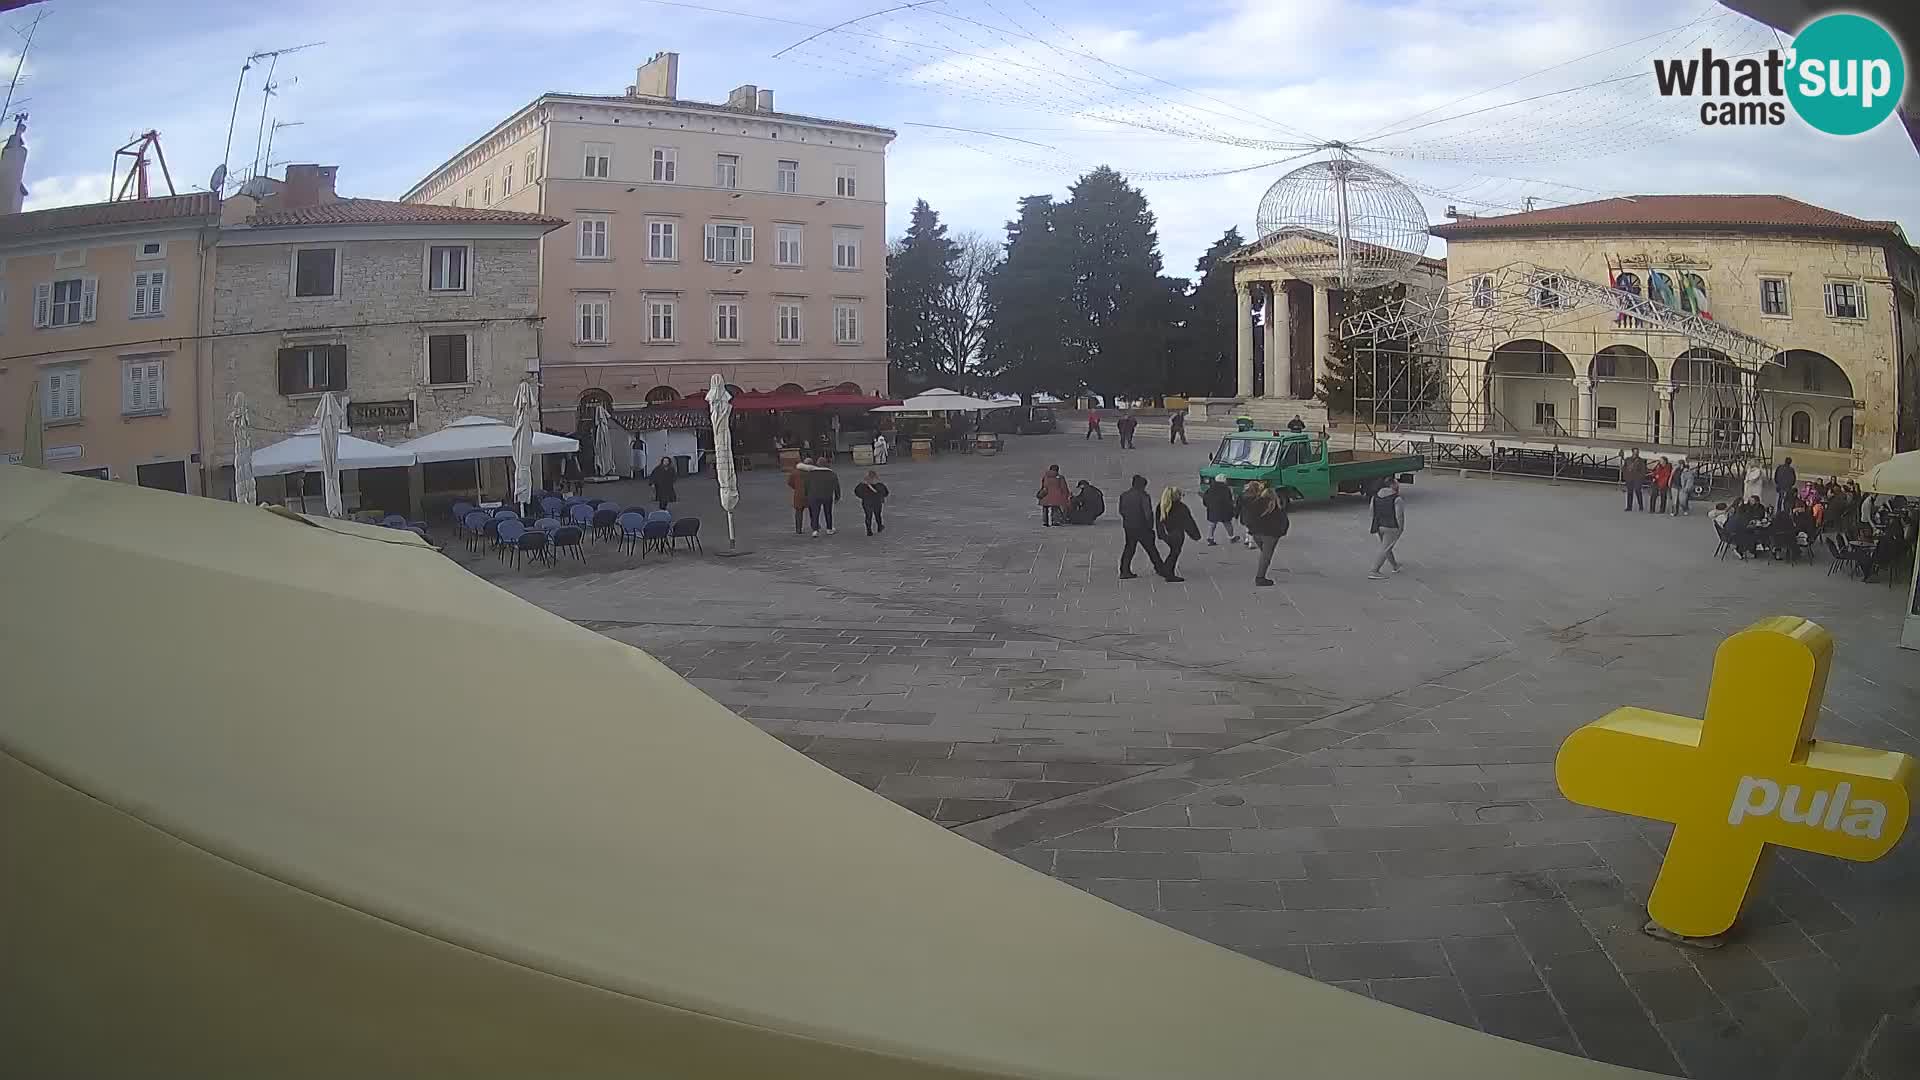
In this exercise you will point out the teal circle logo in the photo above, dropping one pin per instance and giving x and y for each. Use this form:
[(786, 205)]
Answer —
[(1846, 75)]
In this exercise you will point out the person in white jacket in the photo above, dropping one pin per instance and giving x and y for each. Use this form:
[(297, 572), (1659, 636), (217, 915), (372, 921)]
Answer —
[(880, 448)]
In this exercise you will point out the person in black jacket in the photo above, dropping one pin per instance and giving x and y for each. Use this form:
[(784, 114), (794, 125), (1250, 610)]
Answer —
[(823, 490), (1088, 504), (1136, 517), (1264, 512), (873, 496), (1785, 480), (662, 479), (1218, 500), (1176, 524)]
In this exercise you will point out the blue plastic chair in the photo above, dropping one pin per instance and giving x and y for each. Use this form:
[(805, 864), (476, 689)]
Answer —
[(686, 528), (631, 524), (472, 525), (655, 534), (461, 509), (580, 514), (507, 535), (552, 506), (660, 515), (548, 524), (394, 521), (603, 523), (535, 543), (504, 512), (567, 538)]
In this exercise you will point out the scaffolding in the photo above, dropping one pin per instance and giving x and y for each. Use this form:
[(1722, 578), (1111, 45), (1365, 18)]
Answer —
[(1434, 373)]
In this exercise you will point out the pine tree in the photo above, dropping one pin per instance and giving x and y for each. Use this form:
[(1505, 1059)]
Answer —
[(1116, 345), (1212, 326), (1025, 349), (1384, 380), (919, 277)]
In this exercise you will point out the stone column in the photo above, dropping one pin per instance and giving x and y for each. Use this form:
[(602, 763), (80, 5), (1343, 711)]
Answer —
[(1243, 305), (1322, 337), (1583, 407), (1663, 401), (1279, 341)]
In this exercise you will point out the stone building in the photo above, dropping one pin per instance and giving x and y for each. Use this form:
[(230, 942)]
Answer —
[(704, 238), (419, 314), (1834, 294)]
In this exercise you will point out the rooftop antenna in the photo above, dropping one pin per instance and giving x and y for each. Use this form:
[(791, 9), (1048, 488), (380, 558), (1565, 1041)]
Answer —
[(267, 87), (20, 63), (137, 148), (275, 130)]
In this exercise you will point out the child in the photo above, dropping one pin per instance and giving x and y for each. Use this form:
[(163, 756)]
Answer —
[(873, 496)]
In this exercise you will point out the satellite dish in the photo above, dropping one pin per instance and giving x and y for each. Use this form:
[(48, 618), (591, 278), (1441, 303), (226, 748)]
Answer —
[(219, 181)]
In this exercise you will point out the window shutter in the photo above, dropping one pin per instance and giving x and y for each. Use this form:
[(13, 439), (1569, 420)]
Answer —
[(290, 370), (336, 367), (1860, 301), (156, 291), (1828, 291), (139, 294), (746, 243), (88, 290), (43, 303), (712, 244), (132, 395), (153, 385)]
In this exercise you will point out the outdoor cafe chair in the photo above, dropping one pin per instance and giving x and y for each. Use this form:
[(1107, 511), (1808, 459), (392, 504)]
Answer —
[(552, 506), (394, 521), (567, 538), (507, 512), (548, 524), (660, 515), (508, 534), (461, 509), (686, 528), (1726, 545), (655, 534), (631, 524), (535, 543), (580, 514), (474, 525), (603, 522)]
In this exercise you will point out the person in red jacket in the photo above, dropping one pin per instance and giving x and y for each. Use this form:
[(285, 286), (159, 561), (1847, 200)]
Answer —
[(1093, 425), (1054, 497), (1662, 476)]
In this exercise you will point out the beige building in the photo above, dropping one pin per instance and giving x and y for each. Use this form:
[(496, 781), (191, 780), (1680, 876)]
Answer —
[(1833, 294), (702, 238), (419, 315), (102, 305)]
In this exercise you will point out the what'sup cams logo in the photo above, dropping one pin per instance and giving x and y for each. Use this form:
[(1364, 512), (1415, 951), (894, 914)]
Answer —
[(1843, 74)]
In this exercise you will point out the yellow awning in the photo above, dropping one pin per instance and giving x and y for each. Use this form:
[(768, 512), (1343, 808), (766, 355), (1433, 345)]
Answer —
[(278, 800)]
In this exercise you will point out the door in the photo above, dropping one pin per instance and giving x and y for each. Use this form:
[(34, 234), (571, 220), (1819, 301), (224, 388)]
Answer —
[(165, 475)]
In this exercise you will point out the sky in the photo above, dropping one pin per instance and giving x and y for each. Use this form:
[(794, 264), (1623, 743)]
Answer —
[(1478, 104)]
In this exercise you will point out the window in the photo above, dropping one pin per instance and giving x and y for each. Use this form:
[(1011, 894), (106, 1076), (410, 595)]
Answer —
[(446, 268), (846, 323), (151, 249), (67, 302), (486, 192), (1546, 292), (60, 396), (149, 293), (1845, 440), (599, 161), (663, 240), (1605, 366), (786, 245), (316, 271), (726, 321), (726, 170), (470, 201), (312, 369), (447, 360), (846, 249), (1483, 291), (593, 320), (143, 389), (1244, 452), (729, 243), (1773, 296), (1543, 414), (787, 323), (532, 159), (845, 181), (506, 180), (786, 176), (593, 237), (660, 320), (1846, 300), (666, 164), (1606, 416), (1800, 428)]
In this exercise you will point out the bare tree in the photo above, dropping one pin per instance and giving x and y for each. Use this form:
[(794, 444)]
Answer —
[(963, 306)]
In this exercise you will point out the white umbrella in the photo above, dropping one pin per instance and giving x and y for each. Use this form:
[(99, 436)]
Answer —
[(720, 409), (603, 462), (327, 420), (34, 453), (942, 400), (526, 406), (300, 452), (244, 492), (476, 437)]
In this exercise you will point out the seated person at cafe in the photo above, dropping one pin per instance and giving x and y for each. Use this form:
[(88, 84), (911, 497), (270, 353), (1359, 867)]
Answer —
[(1088, 504), (1886, 553), (1747, 526)]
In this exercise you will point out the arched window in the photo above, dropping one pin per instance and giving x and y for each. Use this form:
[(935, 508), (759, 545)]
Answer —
[(1846, 432), (848, 388), (662, 395), (1800, 428), (790, 388)]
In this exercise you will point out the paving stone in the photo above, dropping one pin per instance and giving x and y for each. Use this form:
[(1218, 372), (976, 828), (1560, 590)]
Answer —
[(1632, 950), (1526, 1016), (1159, 865), (1251, 867), (1381, 960), (1673, 994), (1731, 969), (1496, 966), (1307, 895), (1219, 895), (1172, 839), (1132, 895), (1345, 864), (1894, 1051), (1437, 996), (1489, 860)]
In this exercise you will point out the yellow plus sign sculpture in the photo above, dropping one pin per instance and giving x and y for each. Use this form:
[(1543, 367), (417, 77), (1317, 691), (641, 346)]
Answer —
[(1747, 775)]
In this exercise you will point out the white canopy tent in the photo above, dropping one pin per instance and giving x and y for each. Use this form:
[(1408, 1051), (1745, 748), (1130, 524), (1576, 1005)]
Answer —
[(942, 400), (478, 437), (301, 453)]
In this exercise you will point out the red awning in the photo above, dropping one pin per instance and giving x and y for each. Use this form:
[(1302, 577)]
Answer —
[(790, 402)]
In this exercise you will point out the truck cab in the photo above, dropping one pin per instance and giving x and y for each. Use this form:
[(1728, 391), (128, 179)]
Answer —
[(1300, 464)]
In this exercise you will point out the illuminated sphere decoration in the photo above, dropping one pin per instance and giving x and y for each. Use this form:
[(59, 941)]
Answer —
[(1302, 221)]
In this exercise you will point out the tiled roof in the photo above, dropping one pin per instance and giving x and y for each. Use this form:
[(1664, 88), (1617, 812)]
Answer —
[(173, 208), (1759, 212), (728, 110), (383, 212)]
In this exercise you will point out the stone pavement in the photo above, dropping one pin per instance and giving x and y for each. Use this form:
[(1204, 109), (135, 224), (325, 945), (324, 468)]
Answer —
[(1348, 778)]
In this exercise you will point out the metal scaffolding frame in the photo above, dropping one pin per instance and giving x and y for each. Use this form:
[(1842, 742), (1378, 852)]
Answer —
[(1434, 360)]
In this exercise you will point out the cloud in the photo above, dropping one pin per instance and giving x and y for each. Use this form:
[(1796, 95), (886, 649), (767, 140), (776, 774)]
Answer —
[(50, 191)]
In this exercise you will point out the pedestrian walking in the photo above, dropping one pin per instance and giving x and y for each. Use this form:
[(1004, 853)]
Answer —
[(880, 448), (1054, 497), (797, 483), (1296, 425), (1136, 517), (823, 490), (1389, 521), (1217, 499), (1633, 476), (1264, 512), (1683, 478), (1093, 425), (1176, 525), (1177, 428), (1126, 426), (873, 497), (662, 479), (1785, 479), (1661, 477)]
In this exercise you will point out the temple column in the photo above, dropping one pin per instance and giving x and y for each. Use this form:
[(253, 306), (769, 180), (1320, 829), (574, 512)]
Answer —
[(1279, 341), (1661, 430), (1583, 426), (1322, 338), (1243, 302)]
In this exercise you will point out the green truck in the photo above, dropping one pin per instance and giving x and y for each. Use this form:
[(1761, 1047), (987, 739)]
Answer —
[(1301, 464)]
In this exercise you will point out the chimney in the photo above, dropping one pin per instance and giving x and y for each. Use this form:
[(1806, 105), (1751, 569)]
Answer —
[(13, 167), (659, 77), (765, 102), (308, 185), (743, 97)]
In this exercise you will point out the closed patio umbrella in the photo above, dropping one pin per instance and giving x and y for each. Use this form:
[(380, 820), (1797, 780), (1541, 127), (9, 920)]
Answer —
[(34, 454), (603, 459), (720, 411), (327, 420), (526, 406), (242, 417)]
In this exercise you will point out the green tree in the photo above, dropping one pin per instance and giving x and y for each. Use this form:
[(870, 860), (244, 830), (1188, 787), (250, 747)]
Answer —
[(1024, 350), (1376, 381), (919, 277), (1213, 365), (1115, 336)]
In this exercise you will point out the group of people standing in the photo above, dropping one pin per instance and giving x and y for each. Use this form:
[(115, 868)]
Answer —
[(1127, 424), (816, 488), (1671, 486)]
